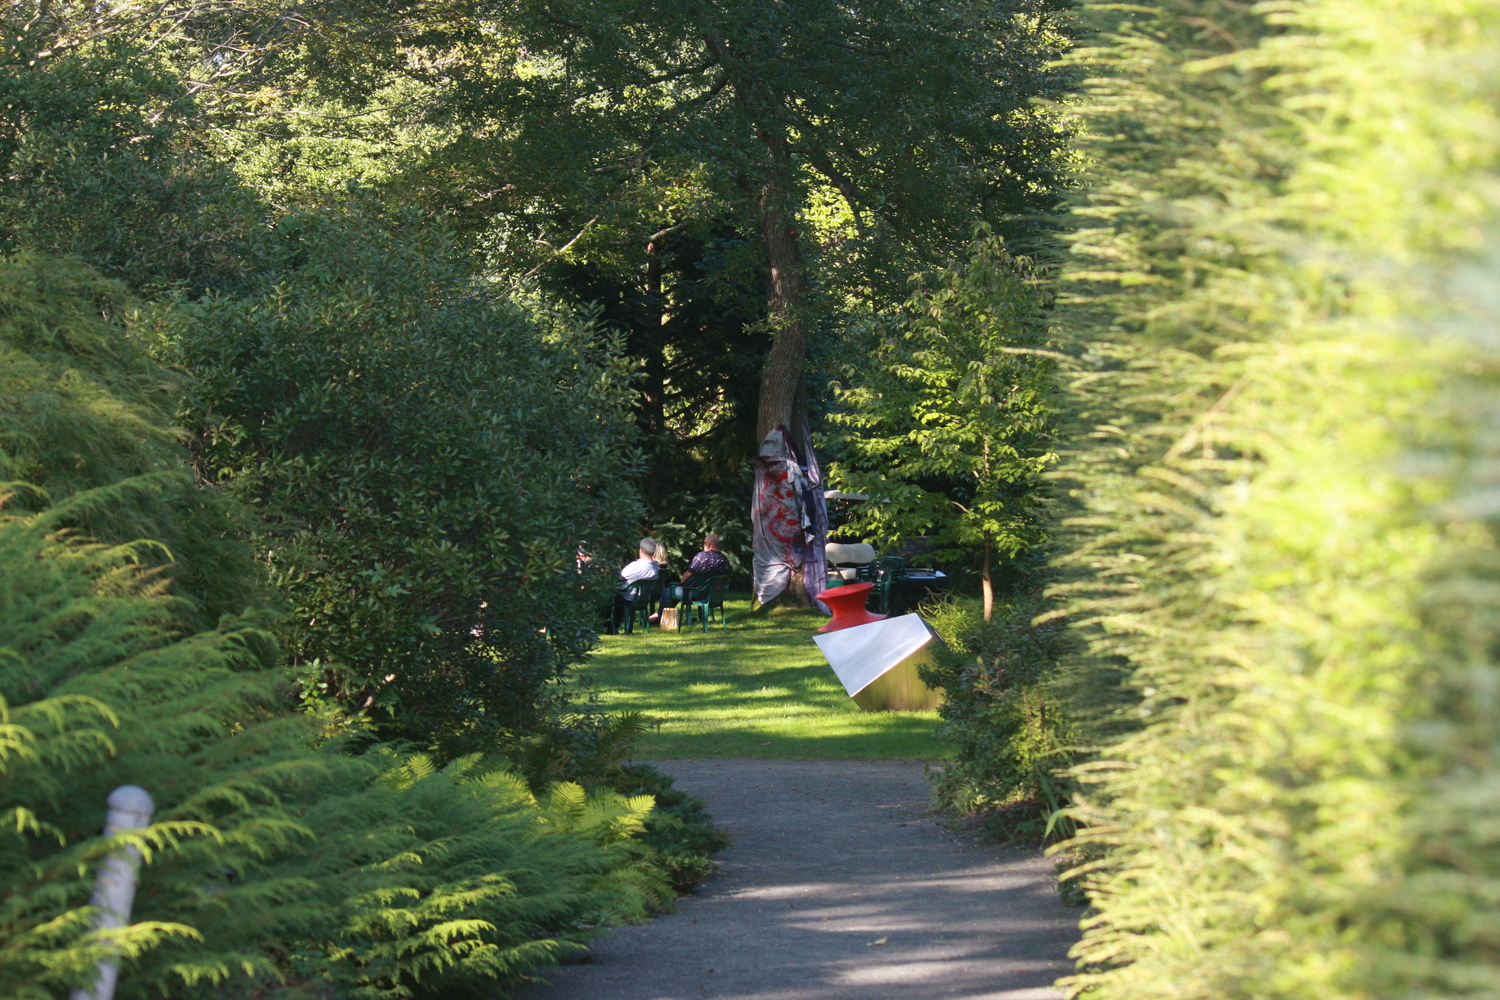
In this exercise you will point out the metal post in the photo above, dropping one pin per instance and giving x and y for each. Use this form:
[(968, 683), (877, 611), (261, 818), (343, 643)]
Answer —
[(130, 808)]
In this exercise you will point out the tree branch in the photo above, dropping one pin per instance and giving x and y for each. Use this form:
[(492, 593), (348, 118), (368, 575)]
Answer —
[(854, 48), (562, 250)]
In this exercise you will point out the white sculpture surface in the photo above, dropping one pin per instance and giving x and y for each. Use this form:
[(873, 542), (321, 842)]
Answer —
[(877, 663)]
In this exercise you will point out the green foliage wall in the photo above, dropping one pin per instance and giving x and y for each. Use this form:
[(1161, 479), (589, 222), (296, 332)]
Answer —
[(427, 460), (1280, 552)]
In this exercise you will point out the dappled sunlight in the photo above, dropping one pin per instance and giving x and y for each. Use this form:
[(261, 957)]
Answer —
[(709, 688), (759, 689)]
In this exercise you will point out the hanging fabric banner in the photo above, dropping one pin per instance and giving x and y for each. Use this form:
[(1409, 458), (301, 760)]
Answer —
[(815, 508), (789, 518)]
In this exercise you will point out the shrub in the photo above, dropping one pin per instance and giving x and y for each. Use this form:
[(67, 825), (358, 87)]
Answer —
[(428, 882), (97, 691), (1006, 721), (273, 863), (948, 427), (428, 461), (680, 832), (384, 876), (1279, 482), (102, 159)]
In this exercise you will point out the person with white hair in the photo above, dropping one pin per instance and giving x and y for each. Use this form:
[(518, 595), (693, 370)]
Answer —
[(644, 566)]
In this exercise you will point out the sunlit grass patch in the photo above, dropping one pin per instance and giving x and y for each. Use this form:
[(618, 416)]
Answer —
[(761, 689)]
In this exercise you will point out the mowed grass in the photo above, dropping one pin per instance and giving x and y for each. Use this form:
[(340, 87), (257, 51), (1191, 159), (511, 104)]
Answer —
[(761, 689)]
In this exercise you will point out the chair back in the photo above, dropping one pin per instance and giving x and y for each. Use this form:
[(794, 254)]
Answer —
[(849, 553), (885, 572), (704, 590), (642, 591)]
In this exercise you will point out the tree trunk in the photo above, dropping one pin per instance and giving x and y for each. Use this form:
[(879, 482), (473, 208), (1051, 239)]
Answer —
[(653, 390), (986, 582), (783, 398), (783, 395)]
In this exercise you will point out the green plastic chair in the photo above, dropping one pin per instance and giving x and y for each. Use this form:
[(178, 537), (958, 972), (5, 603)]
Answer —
[(884, 572), (639, 597), (704, 594)]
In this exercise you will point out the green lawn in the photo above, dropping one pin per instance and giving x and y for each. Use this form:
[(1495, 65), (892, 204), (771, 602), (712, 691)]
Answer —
[(761, 689)]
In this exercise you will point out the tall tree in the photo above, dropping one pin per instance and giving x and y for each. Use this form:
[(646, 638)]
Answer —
[(855, 143), (949, 425), (910, 121)]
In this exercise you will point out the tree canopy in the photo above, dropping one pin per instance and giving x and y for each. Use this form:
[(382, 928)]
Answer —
[(942, 421), (674, 157)]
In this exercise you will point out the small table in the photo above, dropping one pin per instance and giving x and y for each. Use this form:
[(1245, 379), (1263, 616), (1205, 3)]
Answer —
[(848, 606)]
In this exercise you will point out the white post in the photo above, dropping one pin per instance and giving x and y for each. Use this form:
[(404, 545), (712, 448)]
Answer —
[(130, 808)]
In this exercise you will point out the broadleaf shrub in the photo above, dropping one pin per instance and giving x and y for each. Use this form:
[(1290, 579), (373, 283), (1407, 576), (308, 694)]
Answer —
[(1002, 713), (428, 460), (102, 158)]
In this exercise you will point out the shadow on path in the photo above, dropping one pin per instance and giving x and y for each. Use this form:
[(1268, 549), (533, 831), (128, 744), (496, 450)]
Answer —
[(829, 857)]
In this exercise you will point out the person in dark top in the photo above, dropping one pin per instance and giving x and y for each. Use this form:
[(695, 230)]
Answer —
[(709, 562)]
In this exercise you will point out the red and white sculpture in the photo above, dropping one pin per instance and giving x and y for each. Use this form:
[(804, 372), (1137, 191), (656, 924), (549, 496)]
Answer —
[(877, 658)]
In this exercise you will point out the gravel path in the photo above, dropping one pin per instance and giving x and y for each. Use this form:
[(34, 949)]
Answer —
[(837, 885)]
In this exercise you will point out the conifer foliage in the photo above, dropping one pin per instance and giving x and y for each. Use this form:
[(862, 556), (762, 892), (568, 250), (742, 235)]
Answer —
[(1282, 554), (948, 427)]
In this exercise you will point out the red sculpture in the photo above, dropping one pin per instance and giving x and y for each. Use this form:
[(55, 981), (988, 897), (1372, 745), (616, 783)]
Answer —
[(848, 606)]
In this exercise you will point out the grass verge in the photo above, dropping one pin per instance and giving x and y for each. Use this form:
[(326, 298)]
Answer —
[(760, 689)]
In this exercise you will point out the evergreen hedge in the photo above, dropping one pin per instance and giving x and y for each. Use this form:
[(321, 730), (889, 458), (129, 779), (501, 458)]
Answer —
[(1281, 557)]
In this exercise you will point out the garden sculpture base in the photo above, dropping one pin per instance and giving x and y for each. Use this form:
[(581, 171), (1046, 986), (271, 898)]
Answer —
[(877, 663), (847, 604)]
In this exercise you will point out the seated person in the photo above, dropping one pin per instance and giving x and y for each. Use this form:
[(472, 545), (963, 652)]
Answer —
[(643, 567), (709, 562)]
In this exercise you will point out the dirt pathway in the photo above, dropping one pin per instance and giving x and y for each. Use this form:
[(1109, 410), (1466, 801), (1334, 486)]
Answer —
[(838, 886)]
